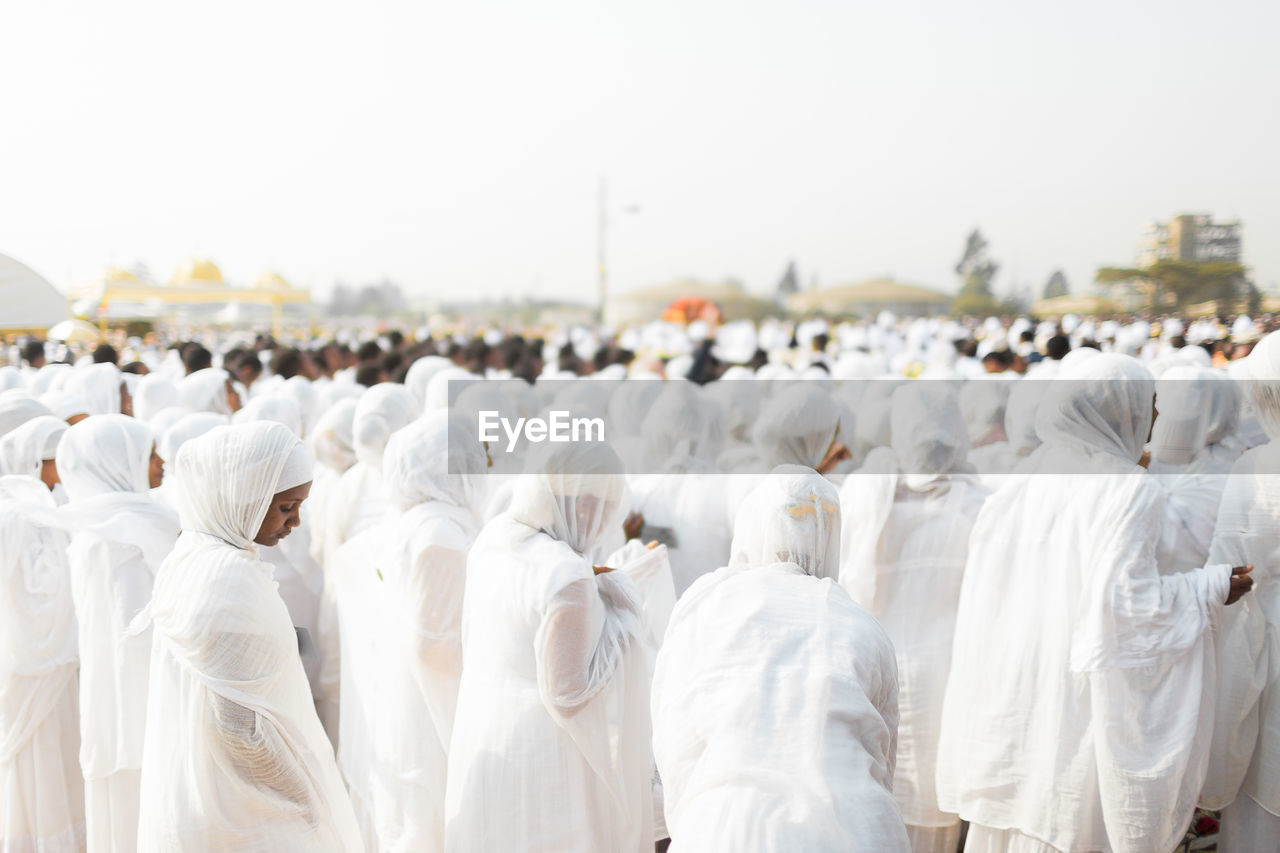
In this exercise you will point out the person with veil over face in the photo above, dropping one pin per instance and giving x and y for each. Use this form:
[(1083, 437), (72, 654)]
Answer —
[(333, 445), (1079, 707), (404, 663), (775, 696), (1244, 775), (41, 788), (550, 748), (908, 513), (1194, 406), (235, 758), (120, 538)]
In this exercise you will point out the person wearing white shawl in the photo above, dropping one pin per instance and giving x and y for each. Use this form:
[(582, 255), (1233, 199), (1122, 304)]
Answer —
[(102, 389), (420, 373), (403, 663), (774, 703), (1195, 406), (333, 445), (360, 500), (908, 514), (235, 757), (41, 789), (16, 408), (1079, 706), (1244, 773), (209, 390), (32, 448), (154, 394), (185, 428), (550, 748), (679, 494), (121, 537)]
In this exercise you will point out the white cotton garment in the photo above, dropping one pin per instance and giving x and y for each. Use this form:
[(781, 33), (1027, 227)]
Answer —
[(550, 747), (205, 391), (1193, 405), (41, 788), (98, 385), (908, 513), (120, 538), (1246, 744), (775, 695), (1079, 705), (235, 757), (24, 450)]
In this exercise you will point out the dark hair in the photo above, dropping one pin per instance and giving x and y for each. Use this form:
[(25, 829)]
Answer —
[(136, 367), (286, 363), (195, 357), (396, 338), (1057, 347), (33, 350), (105, 354), (369, 375), (369, 351)]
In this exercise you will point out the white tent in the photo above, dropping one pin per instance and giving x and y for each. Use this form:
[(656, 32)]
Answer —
[(27, 300)]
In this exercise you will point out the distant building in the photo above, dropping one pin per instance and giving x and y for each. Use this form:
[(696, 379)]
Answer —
[(1190, 237)]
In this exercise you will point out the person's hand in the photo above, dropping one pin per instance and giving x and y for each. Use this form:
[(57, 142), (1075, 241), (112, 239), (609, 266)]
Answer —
[(1240, 583), (632, 525), (835, 454), (601, 570), (652, 545), (1145, 459)]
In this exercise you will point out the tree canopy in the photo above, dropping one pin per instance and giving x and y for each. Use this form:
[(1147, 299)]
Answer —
[(1178, 284)]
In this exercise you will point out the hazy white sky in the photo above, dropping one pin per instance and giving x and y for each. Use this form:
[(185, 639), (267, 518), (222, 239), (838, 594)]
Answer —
[(456, 146)]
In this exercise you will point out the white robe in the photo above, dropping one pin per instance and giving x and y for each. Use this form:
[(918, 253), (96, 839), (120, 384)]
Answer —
[(41, 789), (775, 718), (235, 758), (550, 740), (1246, 754), (1077, 710)]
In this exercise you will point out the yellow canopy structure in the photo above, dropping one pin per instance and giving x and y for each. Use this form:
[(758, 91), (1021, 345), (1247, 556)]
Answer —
[(198, 282), (1073, 304)]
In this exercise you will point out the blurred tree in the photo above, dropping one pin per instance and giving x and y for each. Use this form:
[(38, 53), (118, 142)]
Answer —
[(1056, 286), (1178, 284), (976, 271), (790, 282)]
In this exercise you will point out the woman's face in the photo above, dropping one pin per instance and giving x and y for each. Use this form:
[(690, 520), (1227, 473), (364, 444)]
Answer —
[(49, 473), (282, 515)]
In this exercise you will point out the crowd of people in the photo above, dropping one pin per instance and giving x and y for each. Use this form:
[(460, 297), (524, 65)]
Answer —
[(913, 584)]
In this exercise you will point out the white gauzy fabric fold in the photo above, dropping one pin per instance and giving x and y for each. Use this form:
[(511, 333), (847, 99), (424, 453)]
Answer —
[(1246, 746), (41, 789), (16, 408), (235, 757), (154, 394), (24, 449), (205, 391), (185, 428), (419, 376), (775, 696), (332, 440), (905, 538), (277, 407), (98, 385), (403, 655), (797, 426), (120, 538), (382, 410), (550, 741), (1078, 708)]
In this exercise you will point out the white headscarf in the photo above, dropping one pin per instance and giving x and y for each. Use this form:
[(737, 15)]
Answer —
[(16, 408), (98, 386), (431, 461), (1103, 408), (185, 428), (382, 410), (574, 493), (23, 450), (228, 476), (1263, 367), (1185, 401), (792, 516), (205, 391), (332, 440), (280, 408), (105, 454), (419, 375), (154, 393), (797, 427), (678, 433)]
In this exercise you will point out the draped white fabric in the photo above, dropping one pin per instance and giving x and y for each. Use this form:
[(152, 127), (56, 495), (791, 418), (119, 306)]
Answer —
[(552, 702), (1078, 709), (235, 757), (774, 695), (905, 538), (41, 788), (121, 537)]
